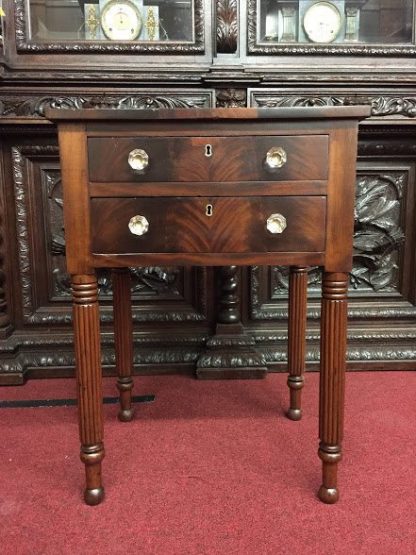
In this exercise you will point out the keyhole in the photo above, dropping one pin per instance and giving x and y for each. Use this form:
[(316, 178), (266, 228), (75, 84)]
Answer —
[(208, 151), (209, 210)]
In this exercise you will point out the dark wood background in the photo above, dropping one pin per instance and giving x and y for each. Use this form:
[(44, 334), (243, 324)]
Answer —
[(176, 310)]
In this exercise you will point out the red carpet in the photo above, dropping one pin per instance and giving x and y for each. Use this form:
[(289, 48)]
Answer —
[(212, 468)]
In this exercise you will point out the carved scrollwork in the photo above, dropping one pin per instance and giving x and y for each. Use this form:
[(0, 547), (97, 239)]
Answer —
[(35, 106), (381, 106), (227, 26), (24, 44)]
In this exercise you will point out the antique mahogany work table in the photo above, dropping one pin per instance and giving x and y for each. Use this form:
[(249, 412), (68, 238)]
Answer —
[(209, 187)]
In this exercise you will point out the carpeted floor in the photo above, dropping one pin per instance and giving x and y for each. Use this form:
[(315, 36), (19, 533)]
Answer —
[(212, 468)]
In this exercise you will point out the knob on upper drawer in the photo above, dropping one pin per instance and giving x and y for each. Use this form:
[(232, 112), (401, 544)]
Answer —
[(138, 160), (276, 158)]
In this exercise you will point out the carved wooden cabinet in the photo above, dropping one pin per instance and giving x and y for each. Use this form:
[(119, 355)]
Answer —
[(202, 53)]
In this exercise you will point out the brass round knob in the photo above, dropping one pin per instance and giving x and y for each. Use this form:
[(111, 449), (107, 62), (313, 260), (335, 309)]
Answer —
[(138, 225), (276, 223), (276, 158), (138, 160)]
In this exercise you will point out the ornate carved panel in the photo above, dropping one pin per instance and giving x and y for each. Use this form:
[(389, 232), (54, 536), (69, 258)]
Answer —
[(227, 26), (34, 104)]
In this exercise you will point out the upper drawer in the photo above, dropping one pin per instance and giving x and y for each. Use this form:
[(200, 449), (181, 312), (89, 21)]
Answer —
[(199, 159)]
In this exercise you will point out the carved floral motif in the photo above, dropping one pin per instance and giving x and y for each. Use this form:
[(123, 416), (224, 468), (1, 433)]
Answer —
[(35, 106), (231, 98), (227, 26), (378, 233), (381, 106)]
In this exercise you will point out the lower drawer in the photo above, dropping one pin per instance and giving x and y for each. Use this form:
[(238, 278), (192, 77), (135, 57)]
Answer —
[(208, 224)]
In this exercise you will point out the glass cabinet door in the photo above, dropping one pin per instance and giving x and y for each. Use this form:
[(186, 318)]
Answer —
[(274, 23), (170, 24)]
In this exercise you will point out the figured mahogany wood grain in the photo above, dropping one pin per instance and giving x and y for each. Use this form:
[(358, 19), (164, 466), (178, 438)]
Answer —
[(184, 159), (181, 224)]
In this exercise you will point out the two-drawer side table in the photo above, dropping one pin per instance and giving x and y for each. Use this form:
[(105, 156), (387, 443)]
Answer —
[(209, 187)]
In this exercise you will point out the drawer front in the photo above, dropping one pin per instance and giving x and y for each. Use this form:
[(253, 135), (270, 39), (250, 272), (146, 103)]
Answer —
[(208, 225), (202, 159)]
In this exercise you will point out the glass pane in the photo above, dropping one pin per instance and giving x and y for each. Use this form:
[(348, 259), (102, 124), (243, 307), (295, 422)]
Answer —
[(111, 20), (336, 21)]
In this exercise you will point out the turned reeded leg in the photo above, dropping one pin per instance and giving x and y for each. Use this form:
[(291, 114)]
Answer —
[(298, 288), (332, 380), (89, 381), (123, 340)]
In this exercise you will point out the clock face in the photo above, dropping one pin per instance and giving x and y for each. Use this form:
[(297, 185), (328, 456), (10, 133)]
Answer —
[(121, 20), (322, 22)]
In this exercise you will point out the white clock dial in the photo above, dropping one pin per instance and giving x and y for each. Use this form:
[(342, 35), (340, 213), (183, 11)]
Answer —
[(322, 22), (121, 20)]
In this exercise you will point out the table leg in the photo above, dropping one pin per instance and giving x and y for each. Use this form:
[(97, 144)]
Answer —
[(298, 286), (89, 382), (332, 380), (123, 340)]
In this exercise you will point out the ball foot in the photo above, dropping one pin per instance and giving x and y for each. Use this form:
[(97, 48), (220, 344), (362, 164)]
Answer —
[(294, 414), (328, 495), (94, 496), (125, 415)]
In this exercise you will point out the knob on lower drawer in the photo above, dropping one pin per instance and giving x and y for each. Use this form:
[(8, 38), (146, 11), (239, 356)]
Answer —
[(138, 225), (138, 160), (276, 223)]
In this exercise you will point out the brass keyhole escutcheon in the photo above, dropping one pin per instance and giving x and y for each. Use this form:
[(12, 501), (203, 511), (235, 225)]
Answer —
[(209, 210), (209, 151)]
